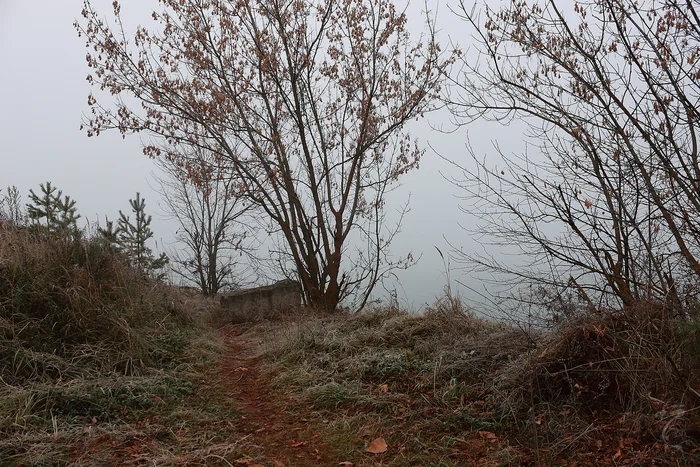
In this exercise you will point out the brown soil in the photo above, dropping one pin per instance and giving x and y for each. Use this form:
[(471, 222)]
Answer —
[(281, 438)]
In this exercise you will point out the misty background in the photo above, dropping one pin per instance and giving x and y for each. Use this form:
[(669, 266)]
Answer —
[(43, 94)]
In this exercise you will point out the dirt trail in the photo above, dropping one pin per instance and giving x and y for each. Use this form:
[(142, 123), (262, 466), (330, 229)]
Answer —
[(283, 439)]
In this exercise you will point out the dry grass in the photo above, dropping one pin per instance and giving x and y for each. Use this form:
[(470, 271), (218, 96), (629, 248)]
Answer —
[(417, 381), (70, 307), (429, 384), (99, 362)]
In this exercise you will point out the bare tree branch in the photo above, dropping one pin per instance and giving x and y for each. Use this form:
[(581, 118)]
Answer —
[(609, 91), (306, 102)]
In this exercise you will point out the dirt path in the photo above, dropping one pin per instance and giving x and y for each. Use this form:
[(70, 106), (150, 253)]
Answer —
[(279, 438)]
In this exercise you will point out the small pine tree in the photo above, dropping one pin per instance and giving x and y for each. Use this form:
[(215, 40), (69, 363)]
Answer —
[(43, 207), (68, 216), (109, 233), (132, 237), (52, 210)]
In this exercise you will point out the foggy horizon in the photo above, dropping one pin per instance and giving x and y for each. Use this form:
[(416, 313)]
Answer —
[(45, 93)]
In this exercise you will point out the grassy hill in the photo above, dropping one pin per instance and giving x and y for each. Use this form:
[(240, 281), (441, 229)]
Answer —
[(102, 365), (449, 388), (89, 347)]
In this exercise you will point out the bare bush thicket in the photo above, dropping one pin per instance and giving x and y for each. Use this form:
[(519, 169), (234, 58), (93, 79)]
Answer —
[(607, 207), (11, 208)]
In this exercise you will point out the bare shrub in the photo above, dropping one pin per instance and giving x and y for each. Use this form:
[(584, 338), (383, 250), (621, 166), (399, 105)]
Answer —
[(634, 362)]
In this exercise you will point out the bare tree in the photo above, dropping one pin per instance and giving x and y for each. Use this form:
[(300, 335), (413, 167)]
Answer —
[(317, 92), (208, 206), (609, 90), (11, 207)]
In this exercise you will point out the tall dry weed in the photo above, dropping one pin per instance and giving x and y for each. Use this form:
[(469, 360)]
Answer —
[(69, 305)]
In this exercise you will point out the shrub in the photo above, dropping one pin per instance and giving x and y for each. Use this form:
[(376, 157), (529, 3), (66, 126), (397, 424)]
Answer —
[(629, 359)]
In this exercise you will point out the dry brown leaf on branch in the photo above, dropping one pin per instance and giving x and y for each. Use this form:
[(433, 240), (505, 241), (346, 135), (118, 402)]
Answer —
[(377, 446)]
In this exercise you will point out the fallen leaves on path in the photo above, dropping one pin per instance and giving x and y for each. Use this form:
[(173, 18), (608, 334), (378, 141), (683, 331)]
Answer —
[(276, 437)]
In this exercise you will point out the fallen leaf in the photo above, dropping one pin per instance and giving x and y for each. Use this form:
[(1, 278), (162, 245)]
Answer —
[(346, 463), (384, 387), (241, 369), (377, 446), (487, 435)]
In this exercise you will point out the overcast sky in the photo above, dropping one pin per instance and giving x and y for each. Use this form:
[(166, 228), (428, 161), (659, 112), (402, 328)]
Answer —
[(43, 94)]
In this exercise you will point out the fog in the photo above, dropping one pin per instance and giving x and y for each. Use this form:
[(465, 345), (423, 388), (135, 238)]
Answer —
[(44, 94)]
